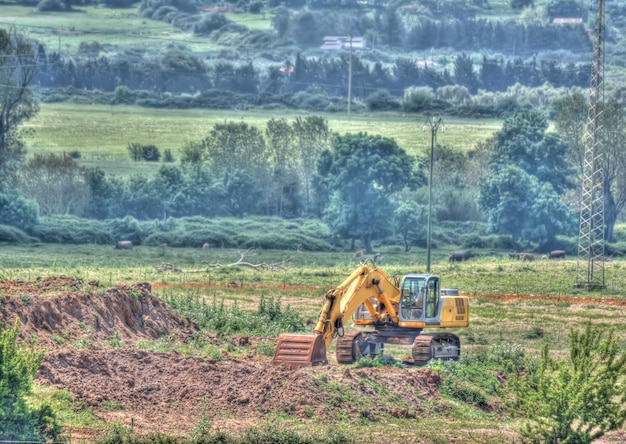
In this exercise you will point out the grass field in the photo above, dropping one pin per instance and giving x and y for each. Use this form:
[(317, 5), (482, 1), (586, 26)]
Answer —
[(523, 319), (302, 278), (102, 133), (123, 28)]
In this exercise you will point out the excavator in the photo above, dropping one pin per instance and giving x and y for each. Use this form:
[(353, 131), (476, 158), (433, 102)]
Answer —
[(396, 312)]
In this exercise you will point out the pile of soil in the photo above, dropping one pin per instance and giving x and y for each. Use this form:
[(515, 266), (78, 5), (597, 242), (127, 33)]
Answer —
[(167, 392)]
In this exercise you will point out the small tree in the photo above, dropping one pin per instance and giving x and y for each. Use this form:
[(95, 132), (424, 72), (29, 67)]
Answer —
[(18, 368), (576, 400)]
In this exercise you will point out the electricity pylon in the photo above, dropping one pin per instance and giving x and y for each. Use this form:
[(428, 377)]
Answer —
[(590, 266)]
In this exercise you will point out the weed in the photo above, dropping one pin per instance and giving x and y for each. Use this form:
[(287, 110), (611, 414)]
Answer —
[(265, 348), (115, 341), (58, 339), (26, 299), (533, 333), (83, 342), (380, 360)]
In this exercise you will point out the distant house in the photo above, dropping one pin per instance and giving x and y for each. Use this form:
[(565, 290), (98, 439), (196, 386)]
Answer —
[(334, 43), (567, 21), (428, 64)]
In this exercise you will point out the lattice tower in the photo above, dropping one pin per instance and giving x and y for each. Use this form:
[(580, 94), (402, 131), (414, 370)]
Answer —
[(590, 266)]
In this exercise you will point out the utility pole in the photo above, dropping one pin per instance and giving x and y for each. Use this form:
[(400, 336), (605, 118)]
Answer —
[(590, 266), (434, 126), (350, 75)]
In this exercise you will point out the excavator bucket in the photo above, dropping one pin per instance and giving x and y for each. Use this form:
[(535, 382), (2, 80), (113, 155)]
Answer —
[(297, 351)]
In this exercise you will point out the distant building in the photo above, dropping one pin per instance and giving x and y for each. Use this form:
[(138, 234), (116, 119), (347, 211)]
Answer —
[(334, 43), (428, 64), (567, 21)]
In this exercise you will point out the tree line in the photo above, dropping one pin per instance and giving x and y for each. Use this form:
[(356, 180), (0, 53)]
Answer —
[(177, 72), (363, 186)]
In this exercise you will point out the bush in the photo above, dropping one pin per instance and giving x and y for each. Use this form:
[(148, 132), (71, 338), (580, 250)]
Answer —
[(53, 5), (418, 99), (18, 420), (135, 151), (72, 230), (150, 153), (168, 156), (14, 235), (18, 211), (382, 100), (209, 23), (255, 7), (577, 399)]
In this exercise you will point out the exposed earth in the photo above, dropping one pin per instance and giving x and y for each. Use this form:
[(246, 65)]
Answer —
[(91, 334)]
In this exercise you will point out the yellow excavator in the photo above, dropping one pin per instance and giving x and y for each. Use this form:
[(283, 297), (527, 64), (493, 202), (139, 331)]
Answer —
[(398, 311)]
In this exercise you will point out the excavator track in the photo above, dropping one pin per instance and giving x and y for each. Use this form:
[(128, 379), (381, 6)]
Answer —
[(348, 350), (435, 346)]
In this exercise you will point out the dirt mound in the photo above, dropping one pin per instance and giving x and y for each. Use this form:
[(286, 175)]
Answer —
[(167, 389), (164, 392), (61, 310)]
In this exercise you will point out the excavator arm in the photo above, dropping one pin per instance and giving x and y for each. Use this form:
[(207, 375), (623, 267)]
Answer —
[(365, 284)]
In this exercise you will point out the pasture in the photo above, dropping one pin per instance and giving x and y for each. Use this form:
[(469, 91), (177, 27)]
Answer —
[(101, 133), (528, 296), (512, 305)]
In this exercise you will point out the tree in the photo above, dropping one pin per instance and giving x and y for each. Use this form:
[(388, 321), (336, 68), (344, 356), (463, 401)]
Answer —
[(571, 117), (56, 182), (507, 197), (576, 400), (524, 142), (312, 136), (284, 179), (18, 368), (18, 64), (360, 173), (236, 153), (464, 73), (410, 221)]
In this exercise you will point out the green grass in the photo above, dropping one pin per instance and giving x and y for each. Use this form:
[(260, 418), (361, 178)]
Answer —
[(102, 133), (493, 325), (123, 28)]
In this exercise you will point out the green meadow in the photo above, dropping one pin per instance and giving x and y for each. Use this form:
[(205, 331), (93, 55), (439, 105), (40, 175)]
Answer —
[(101, 133)]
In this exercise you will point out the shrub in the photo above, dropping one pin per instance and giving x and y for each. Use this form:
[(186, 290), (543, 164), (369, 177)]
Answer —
[(18, 420), (255, 7), (53, 5), (14, 235), (168, 156), (72, 230), (382, 100), (209, 23), (150, 153), (135, 151), (18, 211), (578, 399), (417, 99)]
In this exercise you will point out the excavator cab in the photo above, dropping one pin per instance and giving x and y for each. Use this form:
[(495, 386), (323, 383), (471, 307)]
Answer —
[(419, 297)]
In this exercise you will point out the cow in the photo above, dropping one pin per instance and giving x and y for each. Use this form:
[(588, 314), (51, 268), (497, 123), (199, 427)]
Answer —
[(163, 245), (206, 246), (378, 257), (459, 256), (527, 257), (124, 245), (544, 257), (358, 253), (513, 255), (557, 254)]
